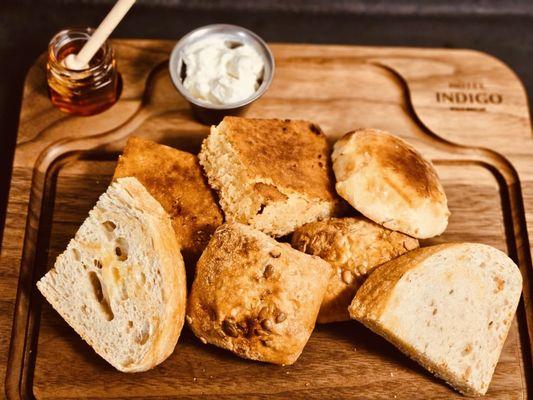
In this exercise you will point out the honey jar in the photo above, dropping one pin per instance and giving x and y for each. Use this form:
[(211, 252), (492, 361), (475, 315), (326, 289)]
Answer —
[(82, 92)]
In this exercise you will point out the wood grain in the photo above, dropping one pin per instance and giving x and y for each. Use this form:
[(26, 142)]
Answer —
[(63, 163)]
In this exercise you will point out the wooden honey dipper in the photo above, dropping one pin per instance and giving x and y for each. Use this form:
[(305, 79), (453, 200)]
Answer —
[(81, 60)]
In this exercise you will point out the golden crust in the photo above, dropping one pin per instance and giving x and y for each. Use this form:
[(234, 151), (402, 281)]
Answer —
[(174, 178), (374, 294), (414, 176), (353, 247), (255, 296), (172, 274), (390, 182), (291, 154)]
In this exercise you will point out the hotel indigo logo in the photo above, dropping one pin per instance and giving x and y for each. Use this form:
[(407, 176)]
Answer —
[(468, 96)]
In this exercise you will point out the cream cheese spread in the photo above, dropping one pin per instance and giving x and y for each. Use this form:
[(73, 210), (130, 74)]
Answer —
[(219, 71)]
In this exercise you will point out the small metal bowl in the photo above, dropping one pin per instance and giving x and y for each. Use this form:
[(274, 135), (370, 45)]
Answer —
[(205, 112)]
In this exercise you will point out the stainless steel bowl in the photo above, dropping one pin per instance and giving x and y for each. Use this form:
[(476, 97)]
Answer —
[(213, 113)]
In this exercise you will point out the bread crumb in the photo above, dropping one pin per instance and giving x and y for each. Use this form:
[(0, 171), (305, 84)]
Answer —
[(391, 374), (307, 384), (287, 372), (195, 379), (355, 349)]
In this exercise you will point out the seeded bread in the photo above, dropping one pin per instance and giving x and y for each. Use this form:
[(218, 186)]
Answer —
[(174, 178), (274, 175), (254, 296), (121, 281), (353, 247), (449, 307), (387, 180)]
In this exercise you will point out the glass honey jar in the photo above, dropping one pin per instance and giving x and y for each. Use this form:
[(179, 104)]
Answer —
[(82, 92)]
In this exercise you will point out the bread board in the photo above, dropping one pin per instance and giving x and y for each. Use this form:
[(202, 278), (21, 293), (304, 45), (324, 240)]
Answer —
[(464, 110)]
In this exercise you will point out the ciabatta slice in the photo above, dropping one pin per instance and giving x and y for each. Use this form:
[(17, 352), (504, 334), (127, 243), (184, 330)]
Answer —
[(449, 307), (121, 281)]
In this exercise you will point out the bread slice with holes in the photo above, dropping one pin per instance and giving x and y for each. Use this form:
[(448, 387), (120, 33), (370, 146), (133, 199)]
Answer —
[(272, 174), (449, 307), (121, 281)]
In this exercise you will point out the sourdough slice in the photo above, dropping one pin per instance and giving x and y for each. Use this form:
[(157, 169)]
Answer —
[(254, 296), (354, 247), (389, 181), (121, 281), (274, 175), (174, 178), (449, 307)]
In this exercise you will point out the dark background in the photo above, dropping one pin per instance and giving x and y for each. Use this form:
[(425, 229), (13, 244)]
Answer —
[(501, 28)]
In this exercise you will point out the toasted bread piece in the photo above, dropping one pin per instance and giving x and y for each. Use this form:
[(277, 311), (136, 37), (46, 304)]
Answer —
[(274, 175), (387, 180), (449, 307), (254, 296), (174, 178), (353, 247), (121, 281)]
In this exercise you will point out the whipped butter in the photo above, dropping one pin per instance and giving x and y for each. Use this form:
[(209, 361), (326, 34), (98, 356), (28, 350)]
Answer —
[(220, 72)]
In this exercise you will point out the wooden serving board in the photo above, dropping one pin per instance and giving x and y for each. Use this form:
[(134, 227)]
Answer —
[(464, 110)]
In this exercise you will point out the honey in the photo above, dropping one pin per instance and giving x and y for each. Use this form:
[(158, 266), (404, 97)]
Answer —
[(81, 92)]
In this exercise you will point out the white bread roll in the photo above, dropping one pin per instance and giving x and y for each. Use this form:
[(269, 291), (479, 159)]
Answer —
[(388, 181)]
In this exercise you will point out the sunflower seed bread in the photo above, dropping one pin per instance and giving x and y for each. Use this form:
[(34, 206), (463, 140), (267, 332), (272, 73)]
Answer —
[(121, 281), (449, 307), (353, 247), (389, 181), (254, 296), (272, 174), (174, 178)]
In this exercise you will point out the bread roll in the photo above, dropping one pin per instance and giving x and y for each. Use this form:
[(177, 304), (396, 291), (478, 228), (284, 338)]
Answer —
[(174, 178), (449, 307), (388, 181), (121, 281), (353, 247), (274, 175), (254, 296)]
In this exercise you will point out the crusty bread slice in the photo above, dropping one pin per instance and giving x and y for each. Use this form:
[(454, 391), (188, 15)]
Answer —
[(121, 281), (274, 175), (449, 307), (174, 178), (354, 247), (255, 296), (389, 181)]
